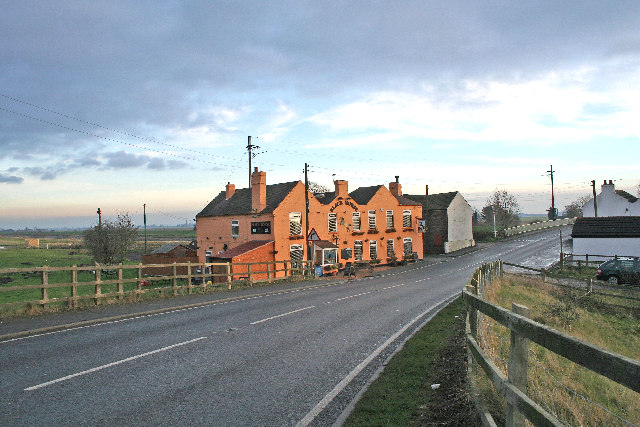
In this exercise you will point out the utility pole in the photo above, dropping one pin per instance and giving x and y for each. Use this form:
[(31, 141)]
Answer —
[(552, 213), (99, 218), (249, 148), (595, 203), (306, 203), (144, 210)]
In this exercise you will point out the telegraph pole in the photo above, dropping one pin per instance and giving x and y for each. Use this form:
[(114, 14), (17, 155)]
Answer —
[(306, 203), (552, 213), (99, 218), (249, 148), (595, 203), (144, 210)]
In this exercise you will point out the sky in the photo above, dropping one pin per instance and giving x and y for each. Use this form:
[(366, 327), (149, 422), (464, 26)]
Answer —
[(115, 105)]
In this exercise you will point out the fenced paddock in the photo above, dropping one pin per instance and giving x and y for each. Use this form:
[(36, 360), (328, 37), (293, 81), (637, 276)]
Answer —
[(514, 385), (49, 287)]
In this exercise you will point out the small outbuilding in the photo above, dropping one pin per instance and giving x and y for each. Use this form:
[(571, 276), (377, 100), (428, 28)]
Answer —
[(448, 222), (610, 236), (254, 251), (169, 254)]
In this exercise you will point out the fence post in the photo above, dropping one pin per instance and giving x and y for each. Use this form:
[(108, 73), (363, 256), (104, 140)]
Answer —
[(586, 260), (98, 289), (204, 277), (174, 270), (139, 287), (269, 272), (45, 290), (229, 278), (519, 350), (120, 285), (285, 269), (190, 285), (249, 274), (544, 275), (74, 287)]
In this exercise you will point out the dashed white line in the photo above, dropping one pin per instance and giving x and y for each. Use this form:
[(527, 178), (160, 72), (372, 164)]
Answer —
[(108, 365), (281, 315)]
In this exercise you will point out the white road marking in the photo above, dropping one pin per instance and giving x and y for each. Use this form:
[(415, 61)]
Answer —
[(281, 315), (346, 380), (108, 365)]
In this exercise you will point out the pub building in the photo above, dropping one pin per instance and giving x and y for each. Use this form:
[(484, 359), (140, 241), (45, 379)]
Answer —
[(268, 223)]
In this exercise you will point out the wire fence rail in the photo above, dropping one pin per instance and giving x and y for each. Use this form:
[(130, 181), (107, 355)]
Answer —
[(43, 286), (513, 387)]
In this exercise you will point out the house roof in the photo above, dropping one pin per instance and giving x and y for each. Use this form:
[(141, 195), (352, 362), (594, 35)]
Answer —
[(326, 197), (363, 196), (243, 249), (325, 244), (240, 202), (168, 248), (434, 201), (608, 226), (627, 196)]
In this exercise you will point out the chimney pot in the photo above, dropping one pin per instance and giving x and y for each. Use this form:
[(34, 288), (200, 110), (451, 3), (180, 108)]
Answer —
[(395, 187), (397, 178), (610, 182), (255, 169)]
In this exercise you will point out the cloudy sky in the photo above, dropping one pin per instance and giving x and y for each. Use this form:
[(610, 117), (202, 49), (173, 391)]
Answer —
[(114, 104)]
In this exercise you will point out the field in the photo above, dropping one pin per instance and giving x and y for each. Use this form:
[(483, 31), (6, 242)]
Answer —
[(572, 393)]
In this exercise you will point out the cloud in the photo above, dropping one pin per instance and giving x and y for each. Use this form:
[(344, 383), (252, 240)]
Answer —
[(10, 179)]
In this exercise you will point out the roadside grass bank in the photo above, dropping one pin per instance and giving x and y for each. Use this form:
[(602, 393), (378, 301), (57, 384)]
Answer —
[(574, 394), (403, 394)]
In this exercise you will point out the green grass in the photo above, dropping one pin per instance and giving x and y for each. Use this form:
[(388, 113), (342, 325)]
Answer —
[(594, 318), (402, 394)]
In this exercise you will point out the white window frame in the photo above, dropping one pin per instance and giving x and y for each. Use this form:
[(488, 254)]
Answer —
[(391, 251), (355, 219), (406, 218), (390, 219), (357, 245), (372, 219), (333, 222), (235, 228), (406, 240), (373, 249), (295, 218)]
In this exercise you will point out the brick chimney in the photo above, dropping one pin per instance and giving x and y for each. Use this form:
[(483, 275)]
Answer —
[(342, 188), (608, 187), (395, 187), (258, 190), (231, 189)]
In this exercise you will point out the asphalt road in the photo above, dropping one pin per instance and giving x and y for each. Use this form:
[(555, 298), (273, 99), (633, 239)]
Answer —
[(289, 355)]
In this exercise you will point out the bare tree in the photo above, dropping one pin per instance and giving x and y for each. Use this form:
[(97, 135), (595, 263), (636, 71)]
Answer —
[(506, 209), (574, 209), (109, 243)]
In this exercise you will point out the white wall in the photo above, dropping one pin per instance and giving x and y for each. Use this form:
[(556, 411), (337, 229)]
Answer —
[(611, 204), (606, 246), (460, 227)]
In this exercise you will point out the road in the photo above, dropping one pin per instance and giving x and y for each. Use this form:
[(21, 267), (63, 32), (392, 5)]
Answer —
[(290, 355)]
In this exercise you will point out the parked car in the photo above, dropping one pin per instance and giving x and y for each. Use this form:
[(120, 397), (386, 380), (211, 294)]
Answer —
[(621, 270)]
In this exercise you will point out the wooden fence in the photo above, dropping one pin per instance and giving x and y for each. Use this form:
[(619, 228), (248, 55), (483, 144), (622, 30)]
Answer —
[(512, 388), (116, 282), (588, 260)]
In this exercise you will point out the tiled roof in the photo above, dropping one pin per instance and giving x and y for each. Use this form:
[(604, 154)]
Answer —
[(166, 248), (363, 195), (608, 226), (434, 201), (242, 249), (325, 198), (627, 196), (240, 202)]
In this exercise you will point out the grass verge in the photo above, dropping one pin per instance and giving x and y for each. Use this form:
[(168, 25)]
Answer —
[(403, 395)]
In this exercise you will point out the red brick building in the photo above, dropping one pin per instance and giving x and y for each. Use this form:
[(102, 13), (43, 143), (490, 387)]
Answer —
[(370, 223)]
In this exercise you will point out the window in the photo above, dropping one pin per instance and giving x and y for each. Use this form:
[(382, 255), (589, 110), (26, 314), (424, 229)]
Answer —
[(296, 254), (235, 228), (373, 249), (355, 219), (357, 250), (295, 223), (406, 218), (261, 227), (408, 246), (333, 222), (389, 219), (390, 248), (372, 220)]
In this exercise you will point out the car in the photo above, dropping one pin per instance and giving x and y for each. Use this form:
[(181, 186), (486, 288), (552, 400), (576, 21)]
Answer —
[(620, 270)]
